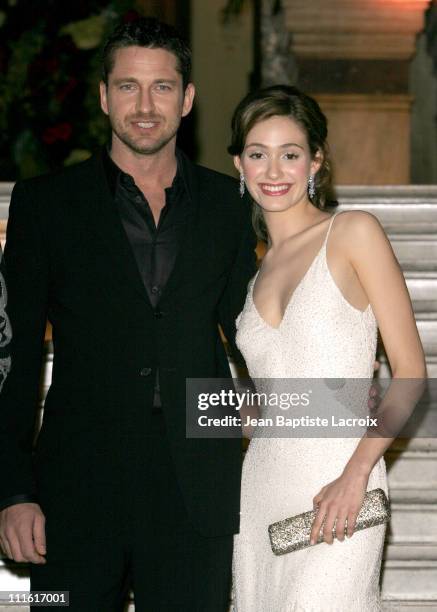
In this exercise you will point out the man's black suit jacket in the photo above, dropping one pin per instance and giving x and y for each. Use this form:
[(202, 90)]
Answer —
[(67, 257)]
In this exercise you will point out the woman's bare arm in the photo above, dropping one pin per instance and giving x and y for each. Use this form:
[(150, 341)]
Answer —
[(369, 252)]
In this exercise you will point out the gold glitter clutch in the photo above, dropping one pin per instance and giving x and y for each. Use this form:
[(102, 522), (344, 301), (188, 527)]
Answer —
[(294, 533)]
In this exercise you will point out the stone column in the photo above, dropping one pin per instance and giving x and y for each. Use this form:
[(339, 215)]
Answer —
[(353, 56), (278, 65)]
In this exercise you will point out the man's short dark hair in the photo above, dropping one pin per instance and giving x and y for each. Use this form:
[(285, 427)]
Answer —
[(152, 34)]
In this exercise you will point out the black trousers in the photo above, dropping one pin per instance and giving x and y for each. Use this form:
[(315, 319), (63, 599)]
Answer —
[(129, 531)]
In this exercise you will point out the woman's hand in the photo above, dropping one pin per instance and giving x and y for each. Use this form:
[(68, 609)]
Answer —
[(337, 503)]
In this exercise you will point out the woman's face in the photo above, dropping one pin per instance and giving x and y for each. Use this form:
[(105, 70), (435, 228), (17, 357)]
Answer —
[(276, 163)]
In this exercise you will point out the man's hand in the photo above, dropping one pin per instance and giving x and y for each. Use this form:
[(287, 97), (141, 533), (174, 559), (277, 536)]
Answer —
[(375, 390), (22, 533)]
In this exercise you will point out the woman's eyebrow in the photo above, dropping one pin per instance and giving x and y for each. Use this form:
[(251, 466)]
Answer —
[(282, 146)]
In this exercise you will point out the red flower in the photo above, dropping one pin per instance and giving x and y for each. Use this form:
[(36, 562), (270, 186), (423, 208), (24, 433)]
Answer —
[(51, 65), (130, 16), (63, 92), (41, 67), (61, 131)]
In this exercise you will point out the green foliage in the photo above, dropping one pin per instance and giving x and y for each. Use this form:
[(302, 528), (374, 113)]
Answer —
[(49, 74)]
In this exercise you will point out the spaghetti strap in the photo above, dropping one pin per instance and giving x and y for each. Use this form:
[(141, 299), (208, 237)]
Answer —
[(329, 229)]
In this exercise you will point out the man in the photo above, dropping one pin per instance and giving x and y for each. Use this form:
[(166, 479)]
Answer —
[(136, 256)]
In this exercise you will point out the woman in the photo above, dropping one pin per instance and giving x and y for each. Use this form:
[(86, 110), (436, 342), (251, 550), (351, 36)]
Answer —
[(312, 311)]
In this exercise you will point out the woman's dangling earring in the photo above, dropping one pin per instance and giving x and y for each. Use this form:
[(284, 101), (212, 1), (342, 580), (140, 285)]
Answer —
[(242, 185), (311, 186)]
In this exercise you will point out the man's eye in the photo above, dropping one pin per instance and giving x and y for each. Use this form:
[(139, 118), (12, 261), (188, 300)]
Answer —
[(163, 87), (127, 86)]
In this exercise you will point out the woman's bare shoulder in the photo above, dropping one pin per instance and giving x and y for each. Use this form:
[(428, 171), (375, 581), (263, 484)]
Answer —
[(358, 225), (357, 219)]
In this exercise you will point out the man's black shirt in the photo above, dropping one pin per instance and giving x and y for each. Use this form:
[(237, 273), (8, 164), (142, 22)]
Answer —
[(155, 247)]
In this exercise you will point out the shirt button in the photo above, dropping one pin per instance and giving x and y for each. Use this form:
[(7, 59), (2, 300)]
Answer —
[(158, 314), (155, 289), (138, 199), (127, 180), (145, 371)]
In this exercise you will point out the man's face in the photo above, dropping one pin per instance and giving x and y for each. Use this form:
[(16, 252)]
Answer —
[(144, 99)]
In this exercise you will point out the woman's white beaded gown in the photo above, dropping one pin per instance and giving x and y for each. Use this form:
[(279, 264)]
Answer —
[(321, 336)]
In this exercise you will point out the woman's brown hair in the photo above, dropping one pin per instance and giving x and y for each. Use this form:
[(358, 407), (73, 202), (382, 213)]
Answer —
[(285, 101)]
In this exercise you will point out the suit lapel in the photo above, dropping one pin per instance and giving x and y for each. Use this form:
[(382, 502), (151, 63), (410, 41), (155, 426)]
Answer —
[(187, 234), (105, 222)]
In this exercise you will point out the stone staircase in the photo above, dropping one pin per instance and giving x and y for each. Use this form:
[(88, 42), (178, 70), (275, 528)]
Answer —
[(409, 216), (409, 579)]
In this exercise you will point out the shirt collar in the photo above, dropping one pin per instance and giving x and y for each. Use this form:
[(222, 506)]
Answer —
[(114, 174)]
